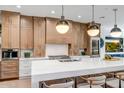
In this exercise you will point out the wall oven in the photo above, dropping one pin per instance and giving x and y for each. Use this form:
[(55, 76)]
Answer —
[(9, 53)]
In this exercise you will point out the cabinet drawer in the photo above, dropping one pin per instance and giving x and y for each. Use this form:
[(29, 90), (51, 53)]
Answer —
[(25, 63), (25, 72), (24, 67), (9, 63), (9, 74), (9, 68)]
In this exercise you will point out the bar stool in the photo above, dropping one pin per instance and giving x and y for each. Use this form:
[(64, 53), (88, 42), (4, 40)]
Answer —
[(69, 83), (93, 82), (117, 81)]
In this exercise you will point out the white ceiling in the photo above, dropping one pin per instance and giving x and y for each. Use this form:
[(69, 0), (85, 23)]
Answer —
[(73, 11)]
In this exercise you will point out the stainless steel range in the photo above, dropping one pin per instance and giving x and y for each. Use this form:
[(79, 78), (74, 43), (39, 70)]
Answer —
[(63, 58)]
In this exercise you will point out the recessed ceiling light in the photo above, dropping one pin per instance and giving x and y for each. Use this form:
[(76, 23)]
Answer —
[(53, 12), (18, 6), (79, 16)]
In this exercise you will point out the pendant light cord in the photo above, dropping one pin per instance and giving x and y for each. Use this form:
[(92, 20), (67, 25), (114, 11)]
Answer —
[(62, 17), (62, 10), (93, 13), (115, 10)]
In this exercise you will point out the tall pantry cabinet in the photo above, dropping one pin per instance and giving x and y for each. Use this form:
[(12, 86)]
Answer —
[(26, 32), (39, 36)]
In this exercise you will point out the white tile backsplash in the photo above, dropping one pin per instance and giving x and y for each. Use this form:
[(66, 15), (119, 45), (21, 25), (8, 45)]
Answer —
[(23, 51), (56, 49)]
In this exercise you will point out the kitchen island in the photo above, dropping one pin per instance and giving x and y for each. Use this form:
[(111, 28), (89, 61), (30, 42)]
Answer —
[(43, 70)]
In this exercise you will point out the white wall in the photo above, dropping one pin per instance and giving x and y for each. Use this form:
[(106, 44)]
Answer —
[(56, 49), (105, 31)]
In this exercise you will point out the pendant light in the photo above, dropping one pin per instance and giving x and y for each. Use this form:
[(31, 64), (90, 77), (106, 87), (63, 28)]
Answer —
[(93, 29), (62, 25), (115, 32)]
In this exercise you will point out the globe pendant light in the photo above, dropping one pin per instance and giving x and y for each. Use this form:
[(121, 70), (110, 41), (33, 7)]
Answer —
[(93, 29), (115, 32), (62, 25)]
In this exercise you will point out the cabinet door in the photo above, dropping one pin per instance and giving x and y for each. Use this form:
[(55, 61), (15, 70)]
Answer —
[(26, 32), (84, 38), (10, 29), (76, 38), (24, 68), (39, 37)]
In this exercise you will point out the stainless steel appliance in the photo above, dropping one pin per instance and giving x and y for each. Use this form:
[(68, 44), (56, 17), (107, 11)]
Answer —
[(9, 53), (95, 47), (63, 58)]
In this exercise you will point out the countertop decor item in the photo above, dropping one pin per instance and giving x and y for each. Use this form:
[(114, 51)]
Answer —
[(110, 58), (27, 54), (115, 32), (113, 59), (62, 25), (93, 29)]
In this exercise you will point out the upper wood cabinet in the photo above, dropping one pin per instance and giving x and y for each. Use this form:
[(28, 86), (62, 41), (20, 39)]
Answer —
[(52, 36), (81, 39), (10, 29), (76, 37), (39, 37), (26, 32), (85, 38)]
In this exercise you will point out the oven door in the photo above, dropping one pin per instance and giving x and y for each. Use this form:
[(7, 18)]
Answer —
[(14, 54), (5, 54)]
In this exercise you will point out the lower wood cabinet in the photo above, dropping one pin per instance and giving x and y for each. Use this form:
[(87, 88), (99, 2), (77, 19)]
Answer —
[(9, 74), (9, 69)]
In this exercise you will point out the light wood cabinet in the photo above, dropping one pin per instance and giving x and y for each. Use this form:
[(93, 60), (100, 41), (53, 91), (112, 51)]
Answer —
[(39, 37), (9, 74), (76, 37), (9, 69), (10, 29), (52, 36), (84, 38), (9, 65), (26, 32), (80, 37)]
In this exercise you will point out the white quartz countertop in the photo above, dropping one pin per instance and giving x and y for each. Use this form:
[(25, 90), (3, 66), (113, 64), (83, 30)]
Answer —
[(86, 64), (53, 69), (47, 58)]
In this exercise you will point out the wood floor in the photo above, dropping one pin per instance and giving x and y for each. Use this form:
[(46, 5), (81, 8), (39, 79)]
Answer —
[(21, 83)]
